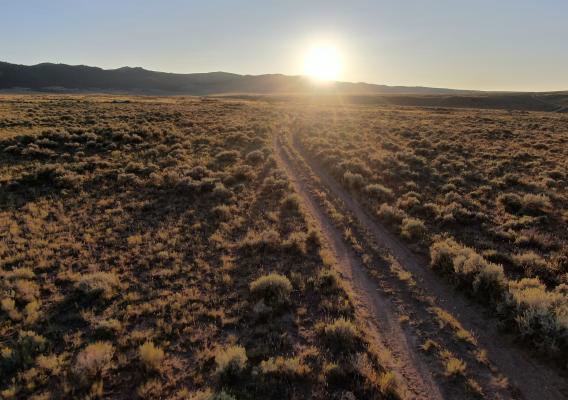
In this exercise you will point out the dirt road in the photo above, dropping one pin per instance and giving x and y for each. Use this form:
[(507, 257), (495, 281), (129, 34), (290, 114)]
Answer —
[(531, 379), (382, 324)]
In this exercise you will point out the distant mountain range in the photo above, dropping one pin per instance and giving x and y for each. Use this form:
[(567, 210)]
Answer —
[(61, 77)]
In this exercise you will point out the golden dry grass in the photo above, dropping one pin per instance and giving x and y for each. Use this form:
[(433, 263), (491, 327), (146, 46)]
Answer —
[(134, 237)]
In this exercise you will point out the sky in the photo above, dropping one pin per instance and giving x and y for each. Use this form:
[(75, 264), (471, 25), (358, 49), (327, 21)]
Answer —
[(488, 45)]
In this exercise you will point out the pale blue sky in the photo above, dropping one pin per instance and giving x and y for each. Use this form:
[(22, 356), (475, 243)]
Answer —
[(482, 44)]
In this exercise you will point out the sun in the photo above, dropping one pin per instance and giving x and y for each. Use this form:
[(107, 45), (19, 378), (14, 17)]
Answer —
[(322, 63)]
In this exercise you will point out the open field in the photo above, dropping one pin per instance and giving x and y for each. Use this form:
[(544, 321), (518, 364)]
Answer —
[(551, 101), (243, 249)]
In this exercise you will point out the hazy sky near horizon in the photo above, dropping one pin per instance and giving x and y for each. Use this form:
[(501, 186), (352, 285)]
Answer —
[(483, 44)]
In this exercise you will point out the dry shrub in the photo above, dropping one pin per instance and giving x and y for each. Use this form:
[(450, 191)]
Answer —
[(231, 360), (51, 363), (409, 201), (227, 156), (468, 268), (25, 290), (341, 336), (29, 345), (102, 284), (531, 263), (454, 366), (274, 289), (291, 203), (392, 216), (223, 212), (255, 157), (151, 356), (8, 305), (413, 229), (388, 384), (329, 281), (533, 238), (442, 254), (296, 242), (94, 360), (539, 314), (289, 367), (490, 281), (378, 192), (221, 193), (150, 389), (511, 202), (535, 204), (265, 241), (559, 262), (209, 395), (353, 180)]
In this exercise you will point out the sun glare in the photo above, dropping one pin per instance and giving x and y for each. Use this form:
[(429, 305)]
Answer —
[(322, 63)]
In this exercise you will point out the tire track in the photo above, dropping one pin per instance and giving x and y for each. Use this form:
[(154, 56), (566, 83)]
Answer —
[(372, 307)]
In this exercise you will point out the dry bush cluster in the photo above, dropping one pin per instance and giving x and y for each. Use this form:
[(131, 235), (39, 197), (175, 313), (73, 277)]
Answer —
[(149, 247)]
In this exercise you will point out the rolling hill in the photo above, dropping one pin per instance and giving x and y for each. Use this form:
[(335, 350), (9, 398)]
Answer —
[(58, 77)]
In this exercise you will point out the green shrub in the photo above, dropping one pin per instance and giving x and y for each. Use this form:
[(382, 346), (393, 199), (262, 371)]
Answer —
[(274, 289)]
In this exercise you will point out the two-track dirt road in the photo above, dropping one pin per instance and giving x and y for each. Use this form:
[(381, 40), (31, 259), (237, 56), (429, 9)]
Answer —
[(382, 324), (529, 378)]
